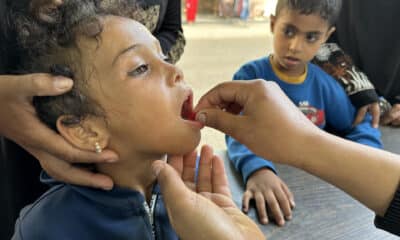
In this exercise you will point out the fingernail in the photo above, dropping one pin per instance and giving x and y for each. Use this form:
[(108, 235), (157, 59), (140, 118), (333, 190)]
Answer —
[(289, 217), (109, 157), (265, 220), (62, 83), (281, 223), (107, 188), (157, 167), (201, 117), (111, 160)]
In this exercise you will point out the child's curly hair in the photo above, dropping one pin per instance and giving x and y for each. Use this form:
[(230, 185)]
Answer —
[(49, 45)]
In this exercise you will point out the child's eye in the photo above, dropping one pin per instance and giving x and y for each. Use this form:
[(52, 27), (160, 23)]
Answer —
[(311, 38), (139, 70), (289, 32)]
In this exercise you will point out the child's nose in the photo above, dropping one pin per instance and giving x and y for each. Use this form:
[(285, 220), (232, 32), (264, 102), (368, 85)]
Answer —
[(295, 44), (175, 75)]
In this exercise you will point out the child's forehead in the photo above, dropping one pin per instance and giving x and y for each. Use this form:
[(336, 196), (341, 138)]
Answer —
[(118, 35), (299, 12), (307, 22), (120, 29)]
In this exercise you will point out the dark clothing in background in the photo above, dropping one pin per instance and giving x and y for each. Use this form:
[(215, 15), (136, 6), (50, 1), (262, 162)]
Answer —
[(163, 19), (391, 221), (367, 30), (19, 171)]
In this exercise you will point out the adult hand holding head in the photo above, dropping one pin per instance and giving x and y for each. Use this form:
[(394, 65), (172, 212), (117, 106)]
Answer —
[(19, 123), (202, 209)]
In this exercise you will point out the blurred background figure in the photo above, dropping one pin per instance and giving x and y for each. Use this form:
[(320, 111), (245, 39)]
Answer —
[(245, 10), (191, 10), (226, 8)]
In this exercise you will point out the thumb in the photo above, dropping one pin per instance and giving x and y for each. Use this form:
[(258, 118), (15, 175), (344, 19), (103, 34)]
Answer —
[(170, 182), (224, 121), (38, 84)]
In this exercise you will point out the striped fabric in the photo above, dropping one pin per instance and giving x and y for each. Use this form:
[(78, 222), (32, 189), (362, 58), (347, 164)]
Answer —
[(391, 221)]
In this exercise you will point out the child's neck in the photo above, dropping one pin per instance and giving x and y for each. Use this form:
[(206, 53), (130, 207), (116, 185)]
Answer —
[(293, 77), (133, 172)]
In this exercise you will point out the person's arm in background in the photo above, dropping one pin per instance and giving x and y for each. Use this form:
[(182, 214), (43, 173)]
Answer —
[(170, 33), (370, 175), (333, 60)]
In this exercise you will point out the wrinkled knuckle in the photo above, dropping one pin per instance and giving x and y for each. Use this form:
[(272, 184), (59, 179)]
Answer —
[(273, 204), (260, 84), (70, 157)]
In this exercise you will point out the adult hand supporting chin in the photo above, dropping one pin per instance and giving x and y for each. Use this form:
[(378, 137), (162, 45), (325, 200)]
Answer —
[(203, 209), (19, 123), (269, 124)]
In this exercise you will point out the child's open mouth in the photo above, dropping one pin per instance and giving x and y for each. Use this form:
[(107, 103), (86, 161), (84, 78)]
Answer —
[(187, 112)]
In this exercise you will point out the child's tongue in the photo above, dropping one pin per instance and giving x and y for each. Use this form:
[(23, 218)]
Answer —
[(192, 116), (187, 112)]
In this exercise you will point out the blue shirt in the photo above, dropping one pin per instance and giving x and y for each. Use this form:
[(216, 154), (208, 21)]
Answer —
[(73, 212), (319, 97)]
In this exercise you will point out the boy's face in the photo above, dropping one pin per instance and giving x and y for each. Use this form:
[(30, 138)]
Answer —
[(297, 38), (141, 94)]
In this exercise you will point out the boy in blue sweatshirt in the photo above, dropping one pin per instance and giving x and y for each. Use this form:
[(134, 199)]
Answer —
[(299, 27)]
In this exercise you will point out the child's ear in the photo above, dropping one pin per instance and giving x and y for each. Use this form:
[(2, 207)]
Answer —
[(85, 134), (272, 20)]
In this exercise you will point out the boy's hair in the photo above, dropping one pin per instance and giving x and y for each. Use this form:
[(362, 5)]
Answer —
[(328, 10), (49, 45)]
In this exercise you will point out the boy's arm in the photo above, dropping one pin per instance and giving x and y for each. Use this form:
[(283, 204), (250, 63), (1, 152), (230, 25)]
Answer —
[(365, 134), (333, 60), (340, 115), (245, 161)]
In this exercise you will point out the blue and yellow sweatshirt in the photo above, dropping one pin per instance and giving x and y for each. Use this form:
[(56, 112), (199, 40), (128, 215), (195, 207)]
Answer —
[(318, 96)]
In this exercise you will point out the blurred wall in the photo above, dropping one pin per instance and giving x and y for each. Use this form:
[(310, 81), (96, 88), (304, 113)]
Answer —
[(258, 8)]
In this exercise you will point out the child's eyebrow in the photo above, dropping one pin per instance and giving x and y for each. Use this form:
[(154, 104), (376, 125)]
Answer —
[(130, 48), (315, 32), (289, 25)]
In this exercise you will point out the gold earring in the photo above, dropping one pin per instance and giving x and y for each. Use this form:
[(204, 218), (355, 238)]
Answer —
[(97, 147)]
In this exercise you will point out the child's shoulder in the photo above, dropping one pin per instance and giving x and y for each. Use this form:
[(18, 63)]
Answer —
[(48, 214), (259, 62), (321, 76), (256, 68), (55, 192)]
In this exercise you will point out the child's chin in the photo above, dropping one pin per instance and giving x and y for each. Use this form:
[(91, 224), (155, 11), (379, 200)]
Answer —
[(187, 146)]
